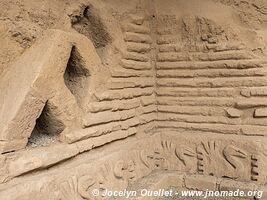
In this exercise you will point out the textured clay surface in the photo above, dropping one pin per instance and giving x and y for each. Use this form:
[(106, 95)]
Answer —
[(116, 94)]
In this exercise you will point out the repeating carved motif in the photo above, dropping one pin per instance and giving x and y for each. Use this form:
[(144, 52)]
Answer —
[(230, 157), (116, 172), (203, 158), (124, 170), (167, 72), (84, 185), (235, 156), (254, 168), (69, 189), (109, 175), (188, 157)]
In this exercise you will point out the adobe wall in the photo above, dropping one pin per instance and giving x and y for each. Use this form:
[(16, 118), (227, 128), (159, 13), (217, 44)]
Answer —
[(100, 94)]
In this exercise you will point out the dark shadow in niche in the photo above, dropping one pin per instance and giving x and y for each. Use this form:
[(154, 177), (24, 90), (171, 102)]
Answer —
[(47, 128), (89, 23), (76, 77)]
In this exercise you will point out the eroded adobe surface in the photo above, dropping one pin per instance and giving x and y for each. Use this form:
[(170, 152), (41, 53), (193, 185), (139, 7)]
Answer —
[(100, 94)]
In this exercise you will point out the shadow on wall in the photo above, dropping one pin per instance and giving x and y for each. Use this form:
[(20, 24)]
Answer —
[(48, 127), (76, 77), (88, 23)]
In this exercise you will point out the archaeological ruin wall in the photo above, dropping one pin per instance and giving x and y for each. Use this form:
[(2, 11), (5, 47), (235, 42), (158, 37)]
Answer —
[(120, 91)]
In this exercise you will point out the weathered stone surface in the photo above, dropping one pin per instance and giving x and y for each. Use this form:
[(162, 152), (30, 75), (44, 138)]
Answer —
[(44, 85), (260, 112), (233, 113), (139, 94), (200, 183)]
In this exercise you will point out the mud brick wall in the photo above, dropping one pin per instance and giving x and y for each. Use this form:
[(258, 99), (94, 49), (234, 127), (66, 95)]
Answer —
[(210, 85), (108, 93)]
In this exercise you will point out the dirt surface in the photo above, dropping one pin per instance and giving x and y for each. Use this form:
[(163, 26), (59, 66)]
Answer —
[(23, 22)]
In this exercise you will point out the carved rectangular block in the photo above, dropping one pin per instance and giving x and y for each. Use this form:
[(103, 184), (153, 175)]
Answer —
[(260, 112)]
